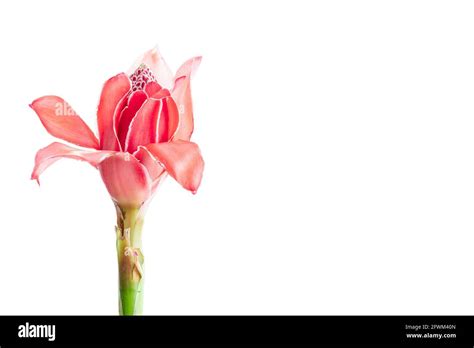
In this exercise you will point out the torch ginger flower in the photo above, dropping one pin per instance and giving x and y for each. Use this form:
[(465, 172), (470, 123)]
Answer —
[(145, 122)]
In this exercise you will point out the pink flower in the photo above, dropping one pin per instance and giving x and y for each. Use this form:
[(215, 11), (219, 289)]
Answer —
[(145, 122)]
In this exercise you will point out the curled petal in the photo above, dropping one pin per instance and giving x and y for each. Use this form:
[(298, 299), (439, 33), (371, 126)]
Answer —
[(122, 104), (153, 59), (143, 128), (112, 100), (55, 151), (181, 94), (189, 67), (161, 94), (169, 120), (135, 102), (152, 88), (126, 179), (61, 121), (182, 160), (155, 169)]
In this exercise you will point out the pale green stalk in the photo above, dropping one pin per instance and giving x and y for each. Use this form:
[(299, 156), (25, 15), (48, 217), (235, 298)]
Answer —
[(130, 259)]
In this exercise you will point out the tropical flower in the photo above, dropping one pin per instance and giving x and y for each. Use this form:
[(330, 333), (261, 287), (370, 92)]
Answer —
[(145, 122)]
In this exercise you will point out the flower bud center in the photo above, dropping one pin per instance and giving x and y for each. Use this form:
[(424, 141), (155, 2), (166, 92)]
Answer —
[(141, 77)]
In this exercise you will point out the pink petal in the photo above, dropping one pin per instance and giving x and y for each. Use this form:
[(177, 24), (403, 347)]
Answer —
[(122, 104), (154, 168), (153, 59), (189, 67), (55, 151), (61, 121), (161, 94), (126, 179), (169, 120), (143, 128), (110, 106), (182, 96), (135, 101), (182, 160), (152, 88)]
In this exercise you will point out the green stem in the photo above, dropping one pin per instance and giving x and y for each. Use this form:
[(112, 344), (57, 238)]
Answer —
[(130, 260)]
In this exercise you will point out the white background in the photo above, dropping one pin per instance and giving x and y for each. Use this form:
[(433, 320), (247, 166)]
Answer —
[(338, 139)]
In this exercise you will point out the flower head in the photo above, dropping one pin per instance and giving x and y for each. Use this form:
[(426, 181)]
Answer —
[(145, 122)]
